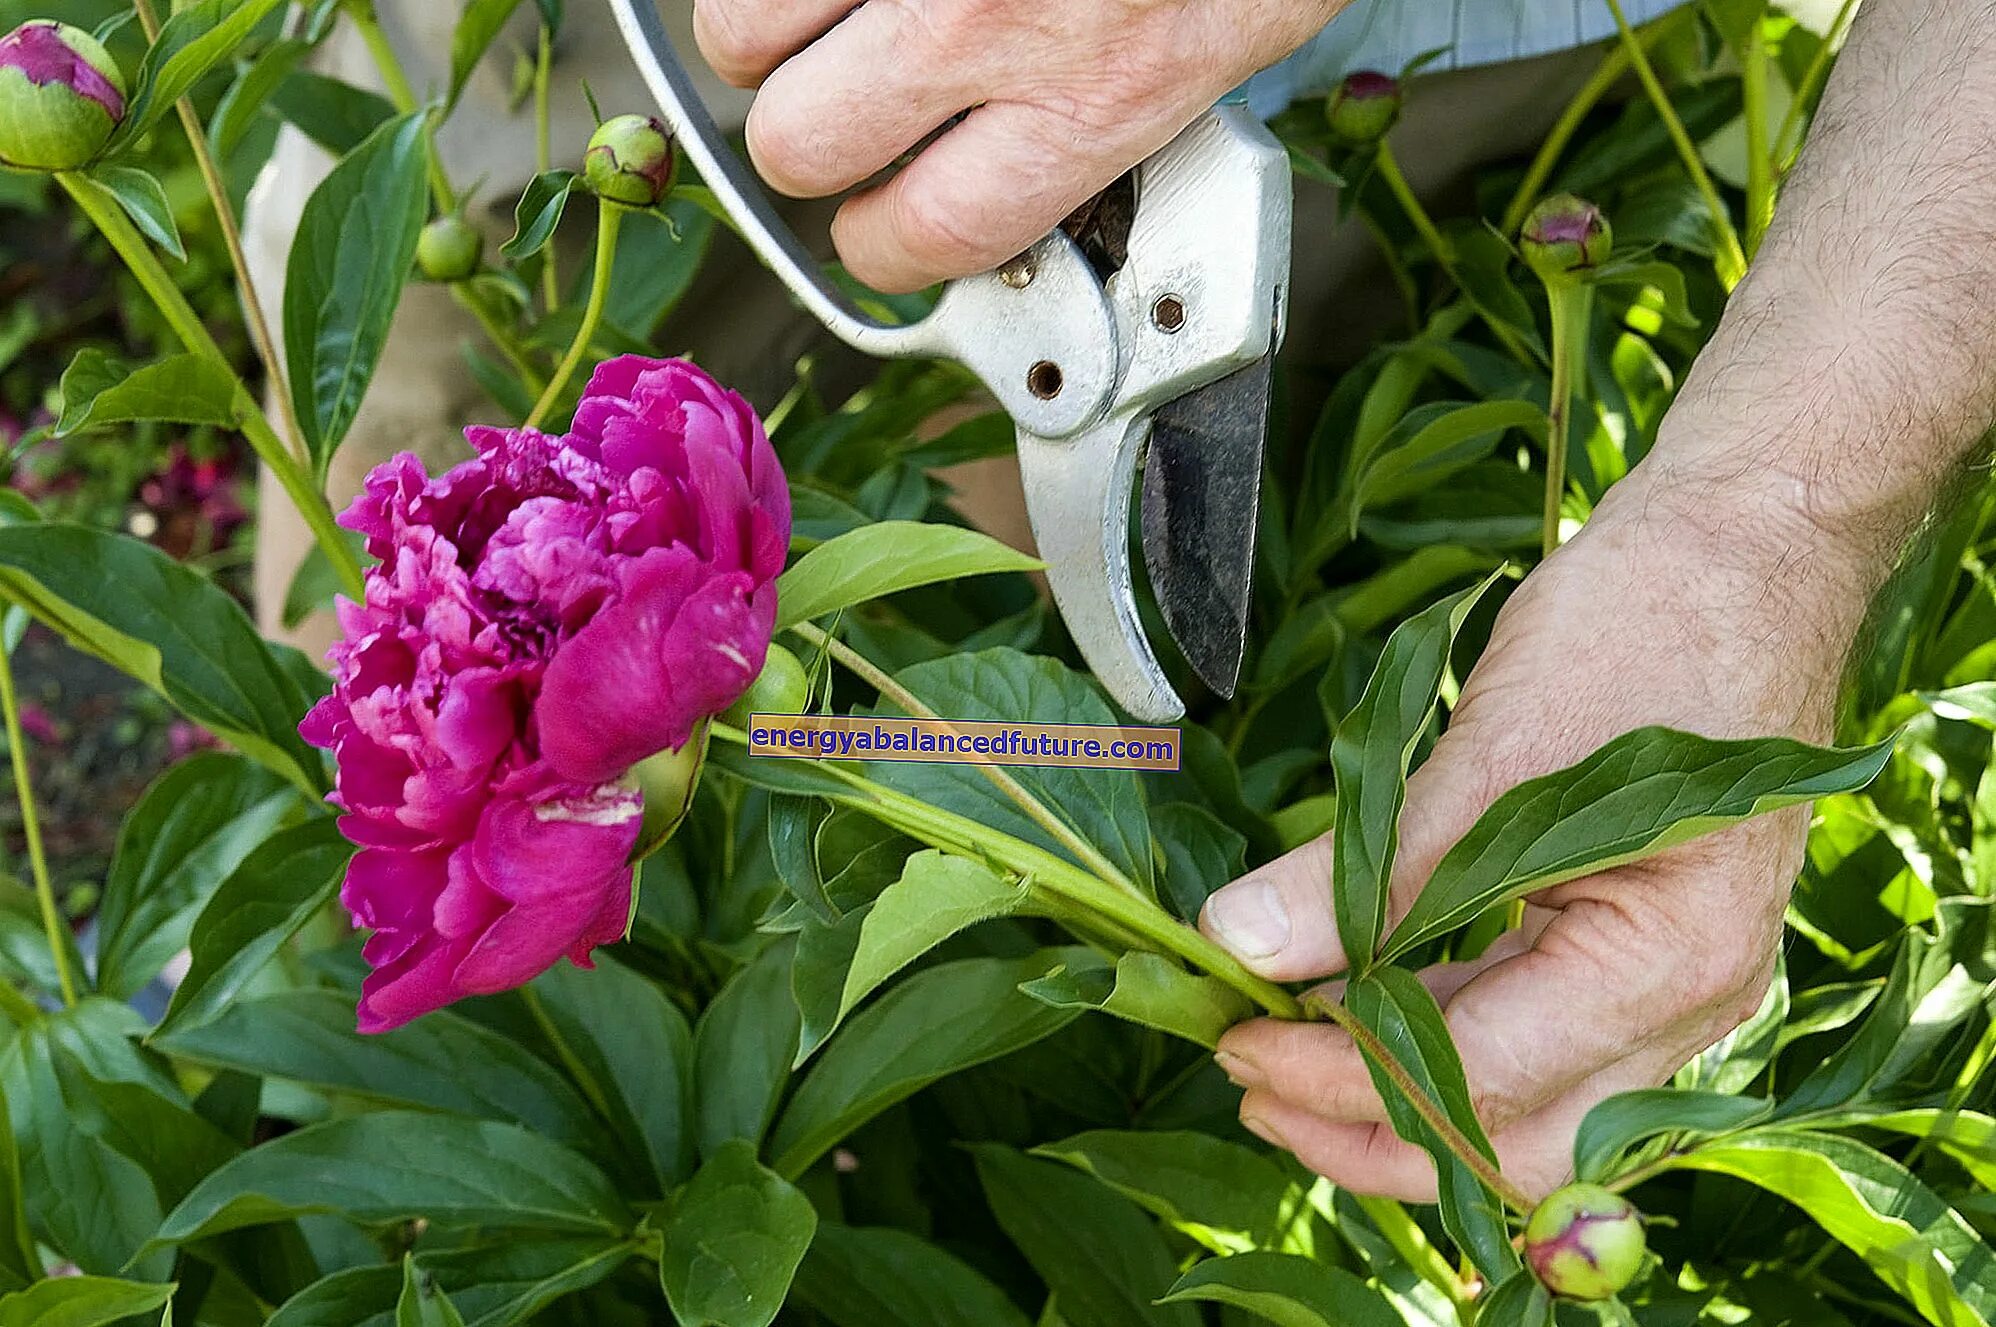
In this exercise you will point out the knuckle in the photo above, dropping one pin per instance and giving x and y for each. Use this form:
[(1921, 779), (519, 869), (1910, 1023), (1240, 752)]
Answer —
[(776, 147), (931, 227), (727, 37)]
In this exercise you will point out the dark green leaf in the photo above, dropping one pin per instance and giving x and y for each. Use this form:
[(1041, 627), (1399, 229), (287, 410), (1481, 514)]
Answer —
[(539, 212), (476, 28), (1225, 1196), (192, 827), (143, 199), (742, 1052), (496, 1286), (355, 246), (735, 1238), (1641, 793), (1519, 1302), (81, 1301), (19, 1263), (1099, 1254), (271, 893), (98, 389), (191, 42), (397, 1165), (1628, 1119), (138, 610), (940, 1021), (1200, 854), (1403, 1015), (1369, 758), (882, 559), (1146, 989), (659, 252), (872, 1277), (423, 1303), (1287, 1290), (336, 115), (1432, 442), (441, 1061)]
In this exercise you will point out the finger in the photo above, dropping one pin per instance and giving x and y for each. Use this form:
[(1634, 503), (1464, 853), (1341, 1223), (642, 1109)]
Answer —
[(982, 193), (745, 40), (856, 99)]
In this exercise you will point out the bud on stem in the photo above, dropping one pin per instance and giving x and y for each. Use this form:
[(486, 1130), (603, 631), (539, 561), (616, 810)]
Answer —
[(1364, 108), (630, 161), (1585, 1242), (61, 96)]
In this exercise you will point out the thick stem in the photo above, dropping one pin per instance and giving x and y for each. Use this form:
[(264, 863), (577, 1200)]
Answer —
[(1388, 167), (1411, 1243), (1432, 1115), (609, 218), (186, 324), (1572, 304), (1732, 258), (17, 750), (396, 80), (232, 238), (544, 158), (1760, 155), (1036, 810)]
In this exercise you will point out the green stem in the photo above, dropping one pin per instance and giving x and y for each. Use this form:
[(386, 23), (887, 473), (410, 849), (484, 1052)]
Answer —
[(1388, 167), (1056, 878), (1411, 1243), (544, 158), (1732, 258), (400, 92), (1614, 65), (111, 222), (1572, 304), (1036, 810), (1787, 143), (609, 218), (566, 1054), (1760, 155), (501, 337), (1432, 1115), (17, 749)]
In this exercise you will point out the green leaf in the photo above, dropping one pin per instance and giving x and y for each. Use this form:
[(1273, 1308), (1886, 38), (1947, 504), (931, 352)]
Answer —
[(1641, 793), (81, 1301), (1965, 1135), (940, 1021), (1430, 443), (1622, 1122), (1287, 1290), (742, 1052), (881, 1277), (1098, 1253), (1974, 703), (637, 1050), (1401, 1012), (659, 252), (1369, 759), (422, 1302), (19, 1262), (1228, 1198), (1519, 1302), (494, 1286), (333, 113), (399, 1165), (1874, 1207), (441, 1061), (354, 250), (1733, 1062), (734, 1240), (98, 389), (192, 827), (936, 896), (262, 904), (144, 200), (194, 40), (539, 213), (1147, 989), (878, 560), (476, 28), (174, 630)]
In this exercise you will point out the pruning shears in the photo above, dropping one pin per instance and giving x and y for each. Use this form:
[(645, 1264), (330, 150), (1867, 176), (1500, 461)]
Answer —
[(1140, 336)]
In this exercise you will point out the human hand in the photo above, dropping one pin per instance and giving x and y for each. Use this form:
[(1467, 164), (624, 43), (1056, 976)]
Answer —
[(1661, 611), (1063, 99)]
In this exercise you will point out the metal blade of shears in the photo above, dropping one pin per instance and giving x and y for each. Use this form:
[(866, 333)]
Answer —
[(1201, 504)]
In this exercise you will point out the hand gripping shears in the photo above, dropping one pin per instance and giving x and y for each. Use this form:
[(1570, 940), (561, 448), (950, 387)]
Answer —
[(1141, 337)]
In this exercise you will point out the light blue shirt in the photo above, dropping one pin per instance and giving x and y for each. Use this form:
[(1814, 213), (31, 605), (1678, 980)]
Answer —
[(1387, 34)]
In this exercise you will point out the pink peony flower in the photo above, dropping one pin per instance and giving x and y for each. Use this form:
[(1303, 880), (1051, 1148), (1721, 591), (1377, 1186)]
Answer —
[(543, 617)]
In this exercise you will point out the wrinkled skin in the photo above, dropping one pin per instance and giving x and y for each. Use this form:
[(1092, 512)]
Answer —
[(1067, 98)]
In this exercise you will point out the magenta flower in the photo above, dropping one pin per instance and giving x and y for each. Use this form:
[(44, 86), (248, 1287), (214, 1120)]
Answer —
[(544, 617)]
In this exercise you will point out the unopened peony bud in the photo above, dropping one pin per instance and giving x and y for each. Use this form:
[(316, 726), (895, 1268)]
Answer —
[(1585, 1242), (1565, 236), (1365, 106), (782, 687), (60, 97), (449, 249), (629, 161)]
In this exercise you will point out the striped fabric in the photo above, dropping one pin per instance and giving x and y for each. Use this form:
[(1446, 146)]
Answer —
[(1387, 34)]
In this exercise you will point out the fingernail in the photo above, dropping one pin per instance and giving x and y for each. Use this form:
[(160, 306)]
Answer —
[(1248, 918), (1263, 1130), (1239, 1071)]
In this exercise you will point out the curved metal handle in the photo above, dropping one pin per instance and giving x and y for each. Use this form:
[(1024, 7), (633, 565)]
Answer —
[(1042, 338)]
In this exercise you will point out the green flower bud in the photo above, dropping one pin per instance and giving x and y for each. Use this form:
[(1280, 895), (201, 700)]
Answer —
[(668, 781), (782, 688), (61, 95), (449, 249), (1365, 106), (629, 161), (1585, 1242), (1565, 236)]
